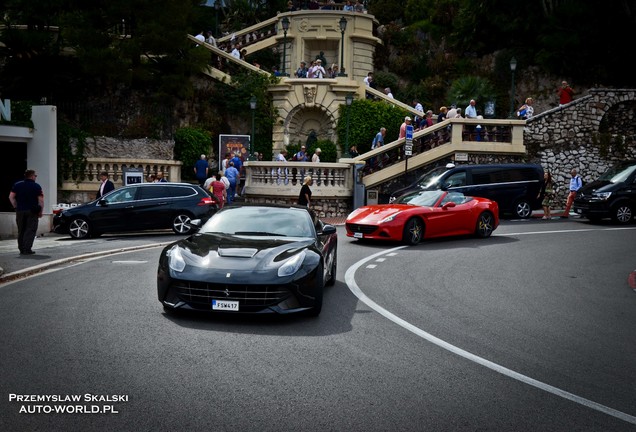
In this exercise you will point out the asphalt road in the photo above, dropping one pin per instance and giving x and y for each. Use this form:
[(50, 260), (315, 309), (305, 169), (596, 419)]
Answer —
[(530, 330)]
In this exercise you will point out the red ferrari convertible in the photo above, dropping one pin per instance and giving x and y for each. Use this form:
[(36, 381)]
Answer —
[(424, 214)]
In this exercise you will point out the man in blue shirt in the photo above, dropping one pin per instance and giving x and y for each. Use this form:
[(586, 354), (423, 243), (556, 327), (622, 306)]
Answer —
[(238, 164), (201, 170), (232, 175), (575, 184), (471, 112), (27, 199)]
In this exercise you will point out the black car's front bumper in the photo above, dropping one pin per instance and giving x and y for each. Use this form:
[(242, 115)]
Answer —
[(259, 297), (592, 209)]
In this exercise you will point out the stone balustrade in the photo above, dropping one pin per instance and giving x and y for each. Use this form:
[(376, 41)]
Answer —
[(76, 191), (284, 179)]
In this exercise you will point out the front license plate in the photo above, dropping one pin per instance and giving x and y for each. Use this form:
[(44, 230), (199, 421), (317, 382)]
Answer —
[(578, 210), (358, 235), (226, 305)]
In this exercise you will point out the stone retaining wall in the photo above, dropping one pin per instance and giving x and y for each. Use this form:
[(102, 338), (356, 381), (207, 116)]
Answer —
[(569, 137)]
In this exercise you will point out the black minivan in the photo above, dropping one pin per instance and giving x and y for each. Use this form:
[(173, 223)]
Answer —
[(613, 195), (515, 187)]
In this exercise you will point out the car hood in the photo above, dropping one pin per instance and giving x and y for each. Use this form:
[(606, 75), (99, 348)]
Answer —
[(599, 186), (373, 214), (236, 259)]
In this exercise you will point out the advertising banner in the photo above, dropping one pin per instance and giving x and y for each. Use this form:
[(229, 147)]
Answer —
[(234, 144)]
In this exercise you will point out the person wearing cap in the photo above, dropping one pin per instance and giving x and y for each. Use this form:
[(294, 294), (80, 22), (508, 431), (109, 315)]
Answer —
[(319, 71), (407, 121), (316, 157), (301, 156)]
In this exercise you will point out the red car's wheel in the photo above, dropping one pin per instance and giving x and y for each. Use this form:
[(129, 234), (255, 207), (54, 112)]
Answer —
[(413, 232), (485, 225)]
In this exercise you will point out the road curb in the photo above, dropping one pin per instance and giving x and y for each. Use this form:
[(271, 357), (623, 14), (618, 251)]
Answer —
[(10, 277)]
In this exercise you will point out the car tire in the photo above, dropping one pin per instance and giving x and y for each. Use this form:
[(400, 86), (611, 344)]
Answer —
[(181, 224), (622, 213), (334, 267), (413, 232), (318, 293), (79, 228), (485, 225), (523, 209)]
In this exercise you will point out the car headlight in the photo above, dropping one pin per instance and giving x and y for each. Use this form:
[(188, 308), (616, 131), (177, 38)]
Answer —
[(601, 196), (292, 265), (175, 259), (389, 218)]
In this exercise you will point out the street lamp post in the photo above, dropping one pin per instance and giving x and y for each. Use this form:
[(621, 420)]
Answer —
[(349, 101), (285, 23), (513, 67), (343, 27), (253, 108)]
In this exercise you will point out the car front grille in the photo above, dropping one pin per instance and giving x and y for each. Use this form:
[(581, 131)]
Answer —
[(200, 294), (364, 229)]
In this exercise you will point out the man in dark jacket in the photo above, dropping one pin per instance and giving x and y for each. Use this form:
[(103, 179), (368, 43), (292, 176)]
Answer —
[(106, 185), (27, 199)]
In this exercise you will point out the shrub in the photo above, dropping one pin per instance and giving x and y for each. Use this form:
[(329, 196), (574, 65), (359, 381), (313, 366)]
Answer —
[(189, 145)]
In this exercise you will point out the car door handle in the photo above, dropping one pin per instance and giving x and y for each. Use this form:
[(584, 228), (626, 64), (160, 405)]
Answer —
[(130, 206), (163, 203)]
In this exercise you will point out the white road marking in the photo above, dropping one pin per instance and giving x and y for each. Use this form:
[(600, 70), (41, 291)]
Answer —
[(564, 231), (371, 266), (381, 259), (129, 262), (355, 289)]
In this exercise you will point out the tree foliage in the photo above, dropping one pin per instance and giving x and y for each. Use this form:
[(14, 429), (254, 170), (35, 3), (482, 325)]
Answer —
[(189, 144)]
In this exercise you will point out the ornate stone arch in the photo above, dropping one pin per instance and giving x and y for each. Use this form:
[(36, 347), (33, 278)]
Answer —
[(304, 119)]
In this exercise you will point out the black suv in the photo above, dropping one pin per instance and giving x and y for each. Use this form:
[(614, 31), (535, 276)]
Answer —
[(613, 195), (138, 207)]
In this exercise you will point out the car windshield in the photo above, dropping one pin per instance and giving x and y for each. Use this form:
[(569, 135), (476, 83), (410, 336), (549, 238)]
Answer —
[(618, 173), (431, 177), (261, 221), (120, 195), (420, 198)]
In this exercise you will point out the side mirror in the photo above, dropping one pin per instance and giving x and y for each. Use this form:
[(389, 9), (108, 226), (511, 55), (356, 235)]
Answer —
[(448, 205), (102, 202), (328, 230)]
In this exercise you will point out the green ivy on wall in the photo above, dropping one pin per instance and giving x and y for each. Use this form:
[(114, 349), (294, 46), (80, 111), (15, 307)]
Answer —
[(365, 118), (71, 162), (189, 144)]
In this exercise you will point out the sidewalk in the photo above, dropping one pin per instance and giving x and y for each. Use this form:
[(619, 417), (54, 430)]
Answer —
[(55, 249)]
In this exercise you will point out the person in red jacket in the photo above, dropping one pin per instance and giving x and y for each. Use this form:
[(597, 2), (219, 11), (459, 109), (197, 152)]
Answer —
[(565, 93)]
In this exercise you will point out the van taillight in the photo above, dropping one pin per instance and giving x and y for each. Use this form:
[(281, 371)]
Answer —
[(206, 201)]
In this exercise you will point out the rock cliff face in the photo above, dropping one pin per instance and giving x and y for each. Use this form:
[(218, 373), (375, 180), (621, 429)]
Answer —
[(145, 148)]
